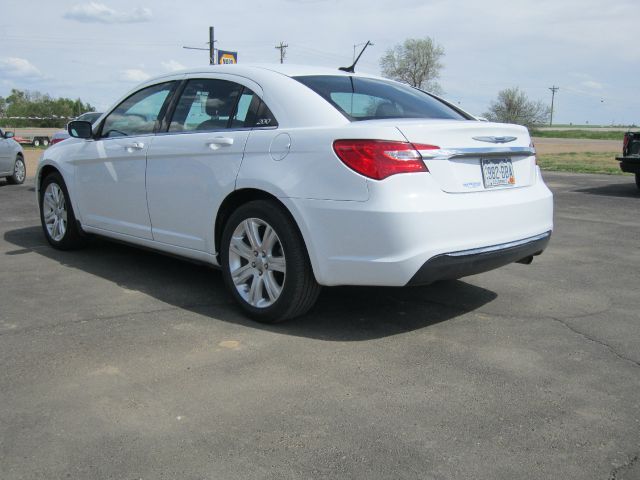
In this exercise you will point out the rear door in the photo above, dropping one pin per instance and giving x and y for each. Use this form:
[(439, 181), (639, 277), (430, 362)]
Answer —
[(193, 166)]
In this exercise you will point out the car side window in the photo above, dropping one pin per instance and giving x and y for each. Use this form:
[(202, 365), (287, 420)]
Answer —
[(265, 118), (252, 112), (206, 104), (209, 104), (139, 114), (246, 110)]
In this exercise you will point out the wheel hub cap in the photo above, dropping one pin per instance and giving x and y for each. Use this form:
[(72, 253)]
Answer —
[(257, 262), (54, 212), (19, 171)]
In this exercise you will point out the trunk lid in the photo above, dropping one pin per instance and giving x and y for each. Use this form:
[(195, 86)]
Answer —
[(473, 155)]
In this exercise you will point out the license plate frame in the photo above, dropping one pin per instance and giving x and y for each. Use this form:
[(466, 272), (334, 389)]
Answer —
[(497, 172)]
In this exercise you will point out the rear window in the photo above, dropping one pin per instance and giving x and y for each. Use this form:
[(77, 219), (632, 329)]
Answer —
[(371, 99)]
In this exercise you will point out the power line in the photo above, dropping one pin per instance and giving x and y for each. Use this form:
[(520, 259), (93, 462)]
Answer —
[(553, 89), (283, 51), (211, 48)]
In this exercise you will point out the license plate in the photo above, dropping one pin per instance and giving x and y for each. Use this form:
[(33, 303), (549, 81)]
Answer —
[(497, 172)]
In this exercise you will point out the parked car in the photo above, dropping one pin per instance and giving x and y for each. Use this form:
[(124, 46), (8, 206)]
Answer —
[(289, 178), (12, 166), (630, 159), (90, 117)]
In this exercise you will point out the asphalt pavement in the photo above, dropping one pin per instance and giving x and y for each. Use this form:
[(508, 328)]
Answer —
[(121, 363)]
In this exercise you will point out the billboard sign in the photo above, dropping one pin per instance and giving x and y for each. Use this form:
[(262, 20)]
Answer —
[(225, 57)]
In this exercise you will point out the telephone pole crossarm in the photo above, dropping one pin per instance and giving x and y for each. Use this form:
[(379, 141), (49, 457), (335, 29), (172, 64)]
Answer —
[(283, 50)]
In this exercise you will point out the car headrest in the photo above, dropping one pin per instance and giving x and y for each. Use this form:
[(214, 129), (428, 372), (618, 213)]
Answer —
[(215, 107)]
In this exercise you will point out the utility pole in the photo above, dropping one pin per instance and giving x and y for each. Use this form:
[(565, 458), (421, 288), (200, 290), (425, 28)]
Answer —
[(212, 59), (211, 49), (553, 89), (283, 51)]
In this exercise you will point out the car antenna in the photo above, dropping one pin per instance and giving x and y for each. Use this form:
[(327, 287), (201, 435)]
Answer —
[(352, 68)]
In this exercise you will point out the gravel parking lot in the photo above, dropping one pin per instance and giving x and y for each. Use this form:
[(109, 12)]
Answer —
[(122, 363)]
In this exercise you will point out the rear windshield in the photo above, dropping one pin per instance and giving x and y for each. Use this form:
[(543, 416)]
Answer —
[(371, 99)]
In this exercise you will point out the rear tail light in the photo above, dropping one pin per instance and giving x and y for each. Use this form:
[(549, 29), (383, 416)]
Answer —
[(625, 143), (379, 159), (55, 140)]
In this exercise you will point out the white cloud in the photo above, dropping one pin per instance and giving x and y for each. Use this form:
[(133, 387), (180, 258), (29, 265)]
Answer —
[(135, 75), (172, 66), (592, 84), (95, 12), (18, 68)]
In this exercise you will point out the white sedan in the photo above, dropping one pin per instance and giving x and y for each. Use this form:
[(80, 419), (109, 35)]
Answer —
[(12, 166), (290, 177)]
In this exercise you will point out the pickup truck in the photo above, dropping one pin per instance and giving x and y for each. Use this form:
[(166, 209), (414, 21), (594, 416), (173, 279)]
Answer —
[(630, 159)]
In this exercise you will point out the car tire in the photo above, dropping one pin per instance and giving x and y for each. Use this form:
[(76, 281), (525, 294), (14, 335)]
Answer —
[(45, 142), (19, 172), (638, 180), (36, 142), (265, 264), (59, 223)]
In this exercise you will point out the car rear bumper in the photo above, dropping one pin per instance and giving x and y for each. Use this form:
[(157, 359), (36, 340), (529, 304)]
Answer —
[(629, 164), (454, 265), (388, 240)]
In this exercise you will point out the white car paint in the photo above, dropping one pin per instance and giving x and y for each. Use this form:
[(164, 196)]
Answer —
[(9, 150), (163, 190)]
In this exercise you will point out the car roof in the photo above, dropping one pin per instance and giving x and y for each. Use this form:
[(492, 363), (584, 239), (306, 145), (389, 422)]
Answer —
[(262, 69)]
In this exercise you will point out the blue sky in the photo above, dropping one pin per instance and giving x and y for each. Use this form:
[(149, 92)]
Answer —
[(100, 49)]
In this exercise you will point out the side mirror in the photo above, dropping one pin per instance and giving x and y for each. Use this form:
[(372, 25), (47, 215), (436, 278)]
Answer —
[(8, 134), (80, 129)]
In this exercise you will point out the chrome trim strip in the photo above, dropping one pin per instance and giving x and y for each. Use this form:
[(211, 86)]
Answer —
[(495, 139), (502, 246), (484, 152)]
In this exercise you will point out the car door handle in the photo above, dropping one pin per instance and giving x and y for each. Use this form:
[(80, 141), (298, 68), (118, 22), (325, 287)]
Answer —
[(134, 146), (217, 142)]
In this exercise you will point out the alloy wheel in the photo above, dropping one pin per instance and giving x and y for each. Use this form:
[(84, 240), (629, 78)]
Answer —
[(257, 262), (19, 171), (54, 210)]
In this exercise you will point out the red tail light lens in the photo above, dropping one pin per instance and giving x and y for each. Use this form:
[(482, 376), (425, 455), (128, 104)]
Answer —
[(55, 140), (379, 159)]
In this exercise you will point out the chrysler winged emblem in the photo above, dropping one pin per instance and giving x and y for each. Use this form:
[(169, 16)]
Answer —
[(495, 139)]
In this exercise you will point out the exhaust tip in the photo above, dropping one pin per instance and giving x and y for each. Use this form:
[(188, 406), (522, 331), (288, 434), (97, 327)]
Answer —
[(526, 260)]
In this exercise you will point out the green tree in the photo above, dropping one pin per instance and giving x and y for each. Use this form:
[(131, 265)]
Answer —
[(415, 62), (513, 106), (35, 109)]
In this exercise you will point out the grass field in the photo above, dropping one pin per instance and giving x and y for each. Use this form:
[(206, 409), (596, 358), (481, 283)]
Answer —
[(584, 162), (579, 134)]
